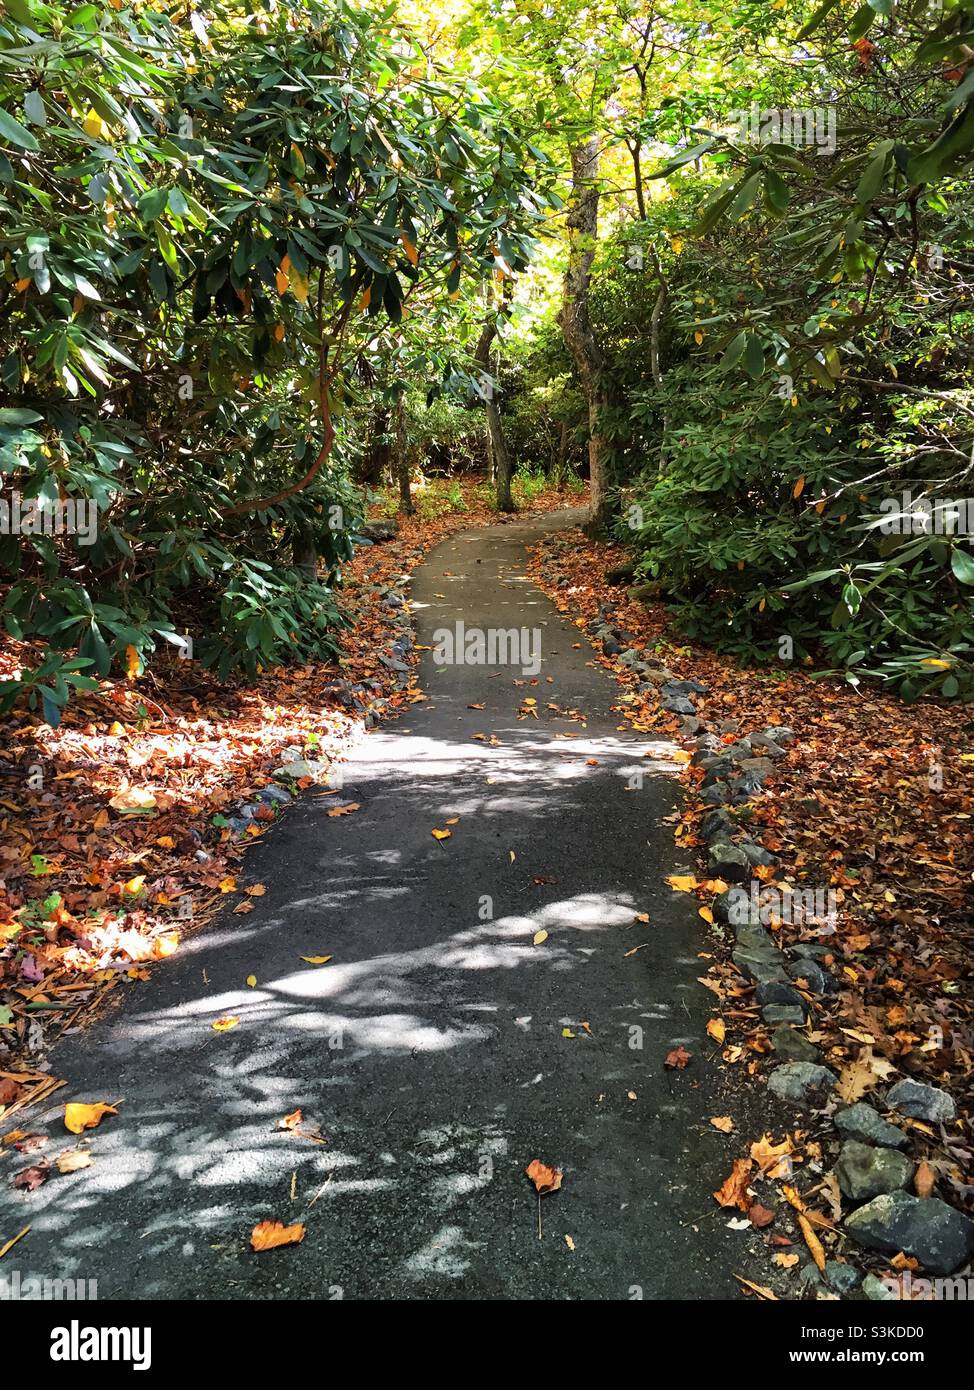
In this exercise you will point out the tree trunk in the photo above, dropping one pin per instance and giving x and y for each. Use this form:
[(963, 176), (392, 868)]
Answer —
[(576, 325), (402, 460), (501, 463), (375, 464)]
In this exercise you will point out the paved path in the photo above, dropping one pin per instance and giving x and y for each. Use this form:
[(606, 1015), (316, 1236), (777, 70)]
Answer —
[(431, 1050)]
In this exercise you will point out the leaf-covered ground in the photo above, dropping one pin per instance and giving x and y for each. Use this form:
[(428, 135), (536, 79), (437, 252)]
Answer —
[(113, 823), (874, 802)]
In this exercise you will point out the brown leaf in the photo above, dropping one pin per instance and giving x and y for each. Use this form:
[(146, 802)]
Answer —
[(924, 1179), (722, 1122), (733, 1191), (545, 1179), (30, 1179), (759, 1216), (677, 1059)]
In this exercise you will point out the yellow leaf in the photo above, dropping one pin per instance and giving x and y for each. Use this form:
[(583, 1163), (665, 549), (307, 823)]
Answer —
[(441, 834), (717, 1029), (266, 1235), (569, 1242), (676, 245), (799, 488), (698, 337), (134, 885), (683, 883), (540, 936), (251, 980), (299, 286), (79, 1116), (706, 914), (223, 1025), (227, 885), (94, 125), (317, 960), (133, 662)]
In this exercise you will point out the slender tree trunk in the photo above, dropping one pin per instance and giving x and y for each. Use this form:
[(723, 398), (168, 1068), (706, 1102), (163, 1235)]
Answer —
[(374, 466), (576, 325), (654, 333), (501, 462), (402, 460)]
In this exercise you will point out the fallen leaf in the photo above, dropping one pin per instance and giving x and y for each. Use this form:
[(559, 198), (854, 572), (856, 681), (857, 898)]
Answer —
[(267, 1235), (924, 1179), (74, 1159), (545, 1179), (733, 1191), (677, 1059), (760, 1216), (79, 1116), (717, 1029), (683, 883), (441, 834), (223, 1025), (317, 960), (722, 1122), (539, 936)]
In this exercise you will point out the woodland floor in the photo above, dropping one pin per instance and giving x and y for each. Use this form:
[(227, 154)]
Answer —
[(447, 1042)]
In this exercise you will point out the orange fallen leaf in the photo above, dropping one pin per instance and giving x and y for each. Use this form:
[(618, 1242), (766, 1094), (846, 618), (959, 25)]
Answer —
[(717, 1029), (441, 834), (733, 1190), (267, 1235), (545, 1179), (683, 883), (677, 1059), (256, 890), (346, 810), (722, 1122)]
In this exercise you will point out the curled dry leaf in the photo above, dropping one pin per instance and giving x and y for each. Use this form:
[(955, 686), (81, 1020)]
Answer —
[(30, 1179), (74, 1159), (79, 1116), (677, 1059), (545, 1179), (733, 1191), (267, 1235)]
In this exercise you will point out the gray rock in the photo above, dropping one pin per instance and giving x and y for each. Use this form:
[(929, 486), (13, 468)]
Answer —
[(757, 854), (629, 658), (690, 725), (762, 968), (783, 994), (819, 980), (379, 530), (684, 688), (773, 1014), (861, 1122), (610, 647), (716, 767), (297, 768), (738, 751), (865, 1172), (707, 743), (268, 796), (789, 1042), (757, 767), (921, 1102), (727, 860), (843, 1278), (678, 704), (779, 734), (717, 795), (717, 823), (941, 1238), (877, 1290), (767, 746), (803, 1084)]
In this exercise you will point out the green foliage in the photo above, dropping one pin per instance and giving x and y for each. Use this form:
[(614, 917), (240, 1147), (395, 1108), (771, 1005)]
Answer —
[(208, 231)]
